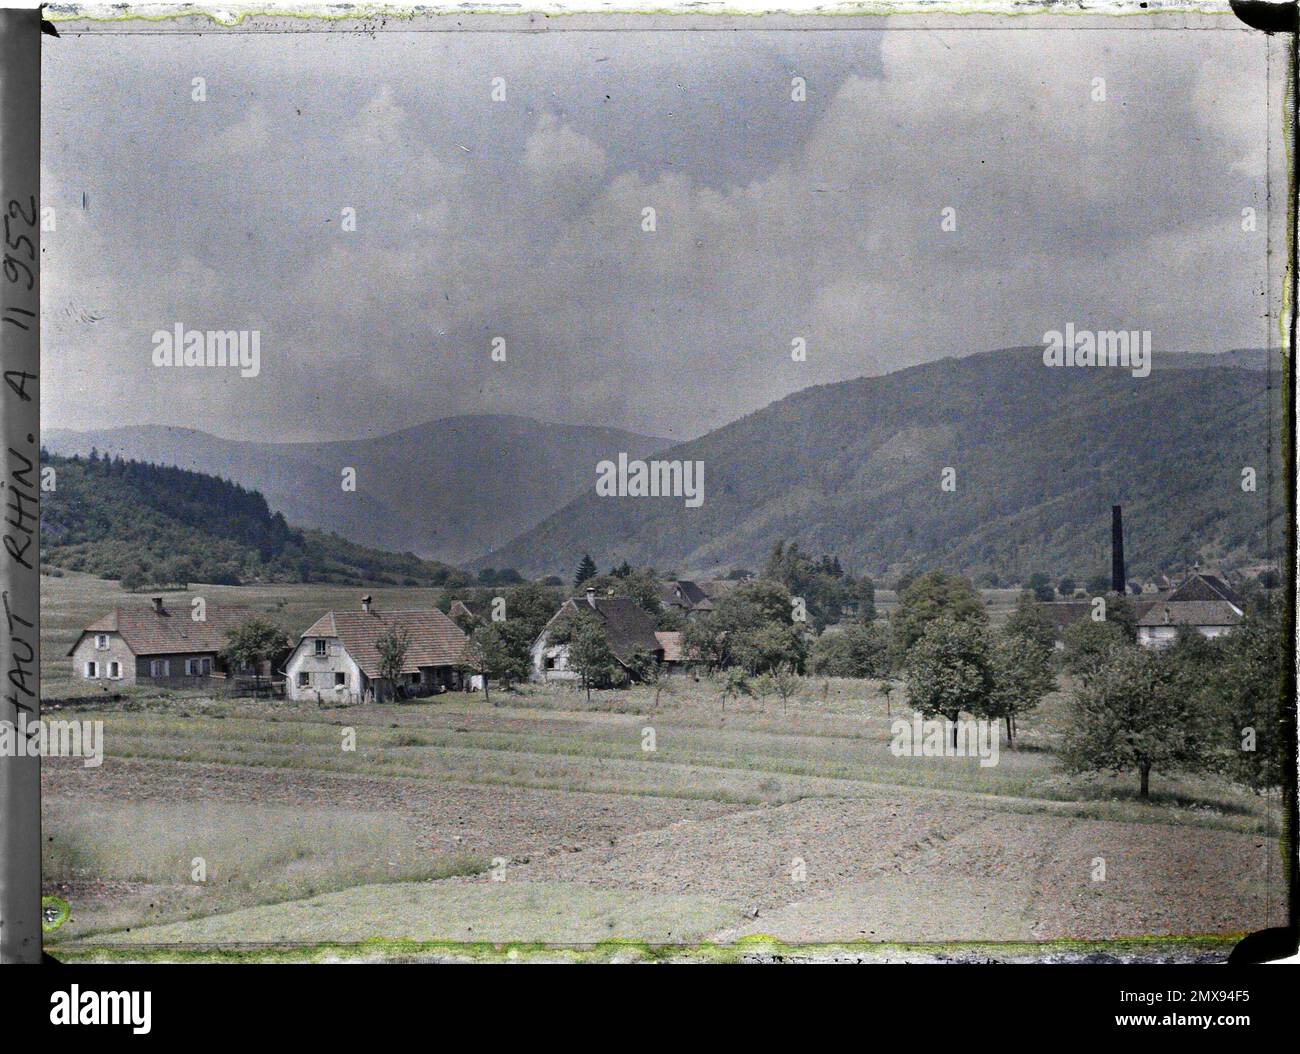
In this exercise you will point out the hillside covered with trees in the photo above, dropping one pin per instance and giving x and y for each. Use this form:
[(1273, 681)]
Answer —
[(150, 525), (992, 465)]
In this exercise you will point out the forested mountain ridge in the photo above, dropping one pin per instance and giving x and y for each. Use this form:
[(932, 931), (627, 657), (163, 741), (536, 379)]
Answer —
[(449, 489), (151, 525), (1038, 456)]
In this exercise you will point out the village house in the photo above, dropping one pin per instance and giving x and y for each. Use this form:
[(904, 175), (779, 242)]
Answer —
[(628, 629), (686, 597), (156, 644), (1201, 602), (337, 659), (1198, 601), (1204, 603)]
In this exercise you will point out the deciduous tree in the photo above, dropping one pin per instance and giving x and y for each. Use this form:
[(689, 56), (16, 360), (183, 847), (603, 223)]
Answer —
[(950, 669), (252, 643), (1135, 713)]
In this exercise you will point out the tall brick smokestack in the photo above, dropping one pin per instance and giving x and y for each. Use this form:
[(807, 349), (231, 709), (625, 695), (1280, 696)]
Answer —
[(1117, 577)]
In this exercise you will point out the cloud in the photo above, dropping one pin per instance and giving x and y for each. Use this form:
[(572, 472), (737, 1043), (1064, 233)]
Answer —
[(248, 138), (522, 219), (557, 155)]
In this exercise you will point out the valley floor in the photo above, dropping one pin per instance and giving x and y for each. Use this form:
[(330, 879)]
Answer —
[(543, 821)]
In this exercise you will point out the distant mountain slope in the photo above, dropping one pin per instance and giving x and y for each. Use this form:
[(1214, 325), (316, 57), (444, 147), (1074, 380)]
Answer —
[(1245, 358), (1040, 454), (449, 489), (150, 525)]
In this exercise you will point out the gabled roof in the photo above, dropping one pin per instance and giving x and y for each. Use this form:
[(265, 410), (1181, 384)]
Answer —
[(169, 632), (1064, 613), (628, 627), (1192, 613), (434, 639), (1199, 586), (465, 608), (686, 594)]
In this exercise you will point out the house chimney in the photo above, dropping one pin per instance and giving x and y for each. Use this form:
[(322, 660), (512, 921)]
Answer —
[(1117, 576), (157, 604), (365, 603), (591, 595)]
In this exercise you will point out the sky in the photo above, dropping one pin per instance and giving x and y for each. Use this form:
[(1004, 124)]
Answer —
[(522, 219)]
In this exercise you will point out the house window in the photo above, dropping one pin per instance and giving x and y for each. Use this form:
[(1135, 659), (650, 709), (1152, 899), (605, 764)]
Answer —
[(550, 662), (320, 647), (205, 667), (92, 669), (340, 680), (101, 641), (190, 671), (115, 670), (415, 678), (160, 668), (304, 679)]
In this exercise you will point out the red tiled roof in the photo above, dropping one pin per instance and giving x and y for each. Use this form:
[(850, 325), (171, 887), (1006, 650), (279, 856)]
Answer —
[(435, 640), (171, 632)]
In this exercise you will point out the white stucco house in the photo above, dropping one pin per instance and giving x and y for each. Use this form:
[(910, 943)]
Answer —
[(337, 659), (1203, 603), (628, 627)]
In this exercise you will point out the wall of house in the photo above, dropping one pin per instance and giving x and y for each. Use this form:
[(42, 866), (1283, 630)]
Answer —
[(176, 675), (320, 670), (117, 651), (433, 678), (1164, 636), (559, 653)]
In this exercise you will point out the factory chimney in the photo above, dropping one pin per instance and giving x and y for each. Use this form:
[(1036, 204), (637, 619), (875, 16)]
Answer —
[(1117, 576)]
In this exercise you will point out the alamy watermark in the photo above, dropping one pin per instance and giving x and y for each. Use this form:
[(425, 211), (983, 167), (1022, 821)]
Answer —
[(1130, 349), (91, 1007), (651, 479), (212, 348), (967, 738), (53, 739)]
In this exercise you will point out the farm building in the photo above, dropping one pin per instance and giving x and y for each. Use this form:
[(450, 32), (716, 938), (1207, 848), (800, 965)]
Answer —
[(1203, 602), (156, 644), (337, 658), (686, 597), (628, 628), (674, 659)]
